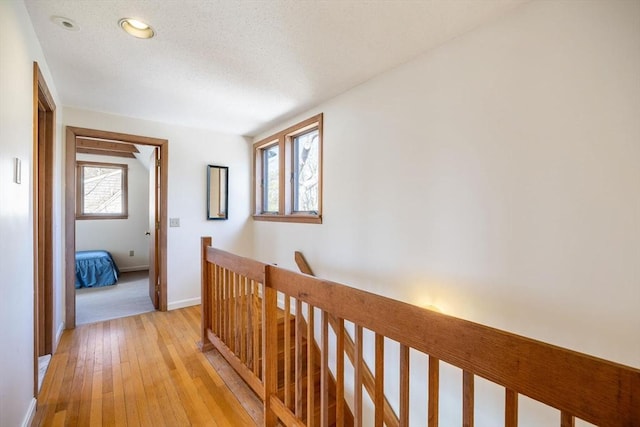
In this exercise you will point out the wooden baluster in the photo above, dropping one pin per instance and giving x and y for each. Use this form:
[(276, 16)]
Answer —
[(434, 391), (310, 366), (243, 319), (511, 408), (404, 386), (227, 310), (236, 313), (214, 298), (340, 373), (324, 371), (567, 420), (467, 399), (287, 352), (229, 300), (223, 309), (250, 315), (255, 321), (299, 351), (219, 309), (262, 309), (270, 351), (232, 312), (357, 393), (378, 400), (238, 316)]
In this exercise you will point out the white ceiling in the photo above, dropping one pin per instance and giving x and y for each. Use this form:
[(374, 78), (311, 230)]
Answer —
[(237, 66)]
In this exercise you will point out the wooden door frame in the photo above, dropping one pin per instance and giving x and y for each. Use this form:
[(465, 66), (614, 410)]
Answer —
[(70, 208), (44, 123)]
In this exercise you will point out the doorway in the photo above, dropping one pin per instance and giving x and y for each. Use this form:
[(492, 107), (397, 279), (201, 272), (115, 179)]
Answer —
[(158, 204), (43, 161)]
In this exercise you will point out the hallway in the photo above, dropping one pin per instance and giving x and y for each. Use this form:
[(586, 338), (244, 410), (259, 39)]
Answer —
[(143, 370)]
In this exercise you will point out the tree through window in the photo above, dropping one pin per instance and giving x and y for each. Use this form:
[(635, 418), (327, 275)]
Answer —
[(102, 190)]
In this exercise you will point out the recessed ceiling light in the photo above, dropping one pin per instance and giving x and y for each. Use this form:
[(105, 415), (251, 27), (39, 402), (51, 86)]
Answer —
[(136, 28), (66, 23)]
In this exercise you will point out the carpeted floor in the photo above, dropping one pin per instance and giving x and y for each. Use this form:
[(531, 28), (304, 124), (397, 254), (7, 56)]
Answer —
[(128, 297)]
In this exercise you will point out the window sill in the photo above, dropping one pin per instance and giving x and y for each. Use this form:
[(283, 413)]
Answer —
[(306, 219)]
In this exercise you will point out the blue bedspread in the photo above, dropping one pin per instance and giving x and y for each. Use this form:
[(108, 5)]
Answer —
[(95, 268)]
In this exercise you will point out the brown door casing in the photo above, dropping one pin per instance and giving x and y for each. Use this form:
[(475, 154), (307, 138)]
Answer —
[(43, 161), (154, 208), (72, 133)]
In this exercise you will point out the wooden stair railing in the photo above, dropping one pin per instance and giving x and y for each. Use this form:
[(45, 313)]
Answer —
[(232, 289), (577, 385), (232, 322), (368, 381), (580, 386)]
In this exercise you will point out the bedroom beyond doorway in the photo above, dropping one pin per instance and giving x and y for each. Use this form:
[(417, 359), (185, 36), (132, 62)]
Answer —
[(128, 297)]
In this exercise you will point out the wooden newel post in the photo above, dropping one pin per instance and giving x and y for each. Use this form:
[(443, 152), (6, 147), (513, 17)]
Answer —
[(205, 296)]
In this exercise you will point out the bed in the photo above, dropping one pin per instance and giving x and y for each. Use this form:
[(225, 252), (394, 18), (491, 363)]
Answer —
[(95, 268)]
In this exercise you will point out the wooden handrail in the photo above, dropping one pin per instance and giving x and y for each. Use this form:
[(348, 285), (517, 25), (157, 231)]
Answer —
[(302, 263), (368, 380)]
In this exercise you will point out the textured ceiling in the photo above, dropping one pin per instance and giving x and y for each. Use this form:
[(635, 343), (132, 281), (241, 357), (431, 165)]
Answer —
[(237, 66)]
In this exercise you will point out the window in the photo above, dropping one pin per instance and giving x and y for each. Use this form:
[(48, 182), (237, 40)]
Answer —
[(271, 179), (101, 190), (288, 174)]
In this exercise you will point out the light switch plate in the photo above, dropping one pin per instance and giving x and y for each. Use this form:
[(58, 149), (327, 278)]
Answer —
[(174, 222)]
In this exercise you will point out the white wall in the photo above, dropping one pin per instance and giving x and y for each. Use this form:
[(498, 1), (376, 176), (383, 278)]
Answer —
[(190, 150), (119, 236), (496, 177), (19, 47)]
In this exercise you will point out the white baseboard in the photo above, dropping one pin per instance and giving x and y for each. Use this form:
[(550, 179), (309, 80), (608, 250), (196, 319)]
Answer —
[(183, 303), (31, 412), (134, 268), (58, 335)]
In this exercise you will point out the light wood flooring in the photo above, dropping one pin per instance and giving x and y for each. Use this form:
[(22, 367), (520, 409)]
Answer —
[(144, 370)]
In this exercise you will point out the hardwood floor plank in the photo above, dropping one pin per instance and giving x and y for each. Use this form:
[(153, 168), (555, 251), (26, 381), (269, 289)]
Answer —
[(119, 405), (144, 398), (59, 419), (152, 376), (195, 407), (96, 416), (108, 404), (108, 410), (107, 362), (73, 407), (84, 405), (139, 371)]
